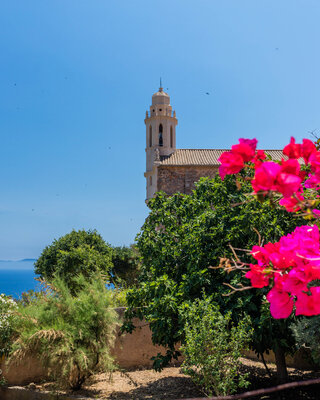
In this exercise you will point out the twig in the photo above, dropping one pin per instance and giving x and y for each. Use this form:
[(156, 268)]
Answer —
[(265, 365), (259, 392), (234, 289), (234, 253), (245, 250), (259, 236)]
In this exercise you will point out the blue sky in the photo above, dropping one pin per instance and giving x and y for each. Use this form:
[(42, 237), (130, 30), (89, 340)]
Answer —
[(76, 78)]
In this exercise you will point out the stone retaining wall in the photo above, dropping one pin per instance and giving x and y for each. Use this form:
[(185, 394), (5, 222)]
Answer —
[(130, 351)]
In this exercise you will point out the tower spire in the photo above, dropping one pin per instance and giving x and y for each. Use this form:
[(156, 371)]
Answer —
[(161, 88)]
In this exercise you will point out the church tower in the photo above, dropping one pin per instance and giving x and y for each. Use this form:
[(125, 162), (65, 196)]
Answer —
[(160, 136)]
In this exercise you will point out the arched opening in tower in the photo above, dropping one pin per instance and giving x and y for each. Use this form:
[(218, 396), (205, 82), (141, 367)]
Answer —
[(160, 135)]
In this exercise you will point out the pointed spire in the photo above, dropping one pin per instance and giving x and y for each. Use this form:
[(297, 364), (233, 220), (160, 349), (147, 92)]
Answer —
[(161, 88)]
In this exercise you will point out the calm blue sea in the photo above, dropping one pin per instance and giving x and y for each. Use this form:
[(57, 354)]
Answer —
[(17, 277)]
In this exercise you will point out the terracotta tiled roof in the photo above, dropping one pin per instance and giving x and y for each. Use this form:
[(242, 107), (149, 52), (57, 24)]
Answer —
[(205, 156)]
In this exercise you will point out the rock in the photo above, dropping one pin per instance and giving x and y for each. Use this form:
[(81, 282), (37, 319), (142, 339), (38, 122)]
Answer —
[(32, 386)]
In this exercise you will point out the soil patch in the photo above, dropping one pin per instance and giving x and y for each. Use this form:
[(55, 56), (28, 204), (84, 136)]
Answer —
[(172, 384)]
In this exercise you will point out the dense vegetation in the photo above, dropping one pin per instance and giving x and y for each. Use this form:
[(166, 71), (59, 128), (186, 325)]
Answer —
[(8, 308), (71, 335), (186, 234)]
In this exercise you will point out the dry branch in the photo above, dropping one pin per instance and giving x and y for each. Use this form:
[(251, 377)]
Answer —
[(261, 392)]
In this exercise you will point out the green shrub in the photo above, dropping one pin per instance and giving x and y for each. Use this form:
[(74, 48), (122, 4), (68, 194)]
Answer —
[(78, 252), (70, 335), (213, 347), (7, 322)]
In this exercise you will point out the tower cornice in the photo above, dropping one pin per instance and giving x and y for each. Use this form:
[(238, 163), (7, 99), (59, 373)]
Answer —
[(158, 117)]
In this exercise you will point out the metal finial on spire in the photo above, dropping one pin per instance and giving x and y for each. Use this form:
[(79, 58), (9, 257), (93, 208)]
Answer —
[(160, 85)]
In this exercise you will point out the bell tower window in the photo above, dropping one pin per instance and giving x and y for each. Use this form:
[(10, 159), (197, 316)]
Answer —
[(150, 136), (160, 135), (171, 137)]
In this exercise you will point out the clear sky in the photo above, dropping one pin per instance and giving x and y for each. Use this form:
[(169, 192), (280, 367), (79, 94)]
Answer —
[(76, 77)]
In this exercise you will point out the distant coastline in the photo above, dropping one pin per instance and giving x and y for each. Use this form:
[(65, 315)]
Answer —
[(23, 264), (23, 260)]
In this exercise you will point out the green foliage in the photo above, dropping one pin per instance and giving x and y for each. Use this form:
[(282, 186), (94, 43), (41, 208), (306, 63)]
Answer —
[(119, 296), (7, 323), (213, 347), (78, 252), (306, 331), (70, 335), (184, 235), (125, 269)]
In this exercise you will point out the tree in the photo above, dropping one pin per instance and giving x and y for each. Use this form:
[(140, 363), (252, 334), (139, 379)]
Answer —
[(78, 252), (186, 234)]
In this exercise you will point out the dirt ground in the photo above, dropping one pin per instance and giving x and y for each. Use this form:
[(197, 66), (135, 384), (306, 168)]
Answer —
[(172, 384)]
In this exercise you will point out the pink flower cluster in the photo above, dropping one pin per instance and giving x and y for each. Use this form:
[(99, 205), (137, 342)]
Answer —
[(290, 265), (284, 177)]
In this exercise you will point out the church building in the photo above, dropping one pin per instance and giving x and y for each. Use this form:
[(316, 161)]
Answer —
[(170, 169)]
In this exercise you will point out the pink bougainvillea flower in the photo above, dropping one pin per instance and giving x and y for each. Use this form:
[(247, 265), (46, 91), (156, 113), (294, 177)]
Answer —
[(258, 278), (250, 142), (258, 158), (308, 304), (313, 181), (282, 259), (281, 304), (296, 281), (292, 150), (312, 271), (287, 184), (231, 163), (244, 150), (307, 148), (292, 203), (262, 254), (314, 161), (303, 243), (291, 166), (316, 212), (265, 176), (270, 176)]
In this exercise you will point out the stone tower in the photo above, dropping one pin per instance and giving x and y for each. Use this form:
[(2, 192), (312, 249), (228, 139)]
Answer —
[(161, 125)]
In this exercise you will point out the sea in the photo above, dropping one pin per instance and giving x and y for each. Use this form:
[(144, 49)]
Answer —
[(17, 277)]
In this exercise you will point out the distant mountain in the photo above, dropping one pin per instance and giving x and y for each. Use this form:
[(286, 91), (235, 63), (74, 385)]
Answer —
[(23, 260)]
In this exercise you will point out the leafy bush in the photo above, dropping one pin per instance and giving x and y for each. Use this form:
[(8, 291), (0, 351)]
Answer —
[(78, 252), (213, 347), (307, 335), (70, 335), (7, 322)]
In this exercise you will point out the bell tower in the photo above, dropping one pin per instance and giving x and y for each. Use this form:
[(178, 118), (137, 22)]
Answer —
[(161, 125)]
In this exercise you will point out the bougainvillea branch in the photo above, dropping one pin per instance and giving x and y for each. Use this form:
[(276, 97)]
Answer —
[(291, 266), (261, 392)]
